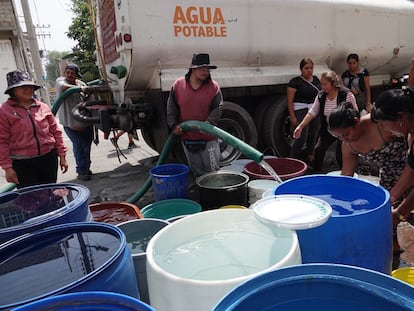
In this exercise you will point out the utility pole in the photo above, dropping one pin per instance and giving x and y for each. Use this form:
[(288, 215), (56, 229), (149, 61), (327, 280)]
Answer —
[(34, 48)]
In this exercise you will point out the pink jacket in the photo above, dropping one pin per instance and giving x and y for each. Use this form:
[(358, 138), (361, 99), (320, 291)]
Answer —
[(28, 133)]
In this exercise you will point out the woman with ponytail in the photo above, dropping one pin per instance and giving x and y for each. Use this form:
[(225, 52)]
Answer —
[(362, 138), (394, 111)]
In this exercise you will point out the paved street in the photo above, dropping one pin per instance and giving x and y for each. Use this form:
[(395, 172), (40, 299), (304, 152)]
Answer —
[(111, 180)]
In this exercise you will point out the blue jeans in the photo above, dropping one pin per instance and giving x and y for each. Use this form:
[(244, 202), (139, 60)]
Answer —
[(82, 142)]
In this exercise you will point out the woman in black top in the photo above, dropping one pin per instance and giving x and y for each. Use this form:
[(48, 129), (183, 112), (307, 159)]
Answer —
[(356, 79), (301, 93)]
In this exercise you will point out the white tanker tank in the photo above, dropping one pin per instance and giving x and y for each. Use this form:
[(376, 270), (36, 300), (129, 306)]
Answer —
[(257, 46)]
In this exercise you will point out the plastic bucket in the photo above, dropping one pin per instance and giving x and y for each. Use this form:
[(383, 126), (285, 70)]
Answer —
[(405, 274), (64, 259), (258, 187), (167, 209), (285, 168), (87, 301), (114, 212), (319, 287), (359, 230), (170, 181), (194, 262), (222, 188), (32, 208), (138, 233)]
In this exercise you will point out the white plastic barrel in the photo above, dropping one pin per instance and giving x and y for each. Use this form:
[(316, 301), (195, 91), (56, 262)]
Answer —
[(195, 261)]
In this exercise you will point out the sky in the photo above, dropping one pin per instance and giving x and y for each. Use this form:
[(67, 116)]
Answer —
[(58, 15)]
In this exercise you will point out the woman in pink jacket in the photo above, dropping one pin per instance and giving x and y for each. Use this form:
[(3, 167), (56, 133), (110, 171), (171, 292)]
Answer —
[(30, 138)]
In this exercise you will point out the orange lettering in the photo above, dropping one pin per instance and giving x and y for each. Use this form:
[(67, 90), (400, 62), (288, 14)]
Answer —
[(218, 17), (179, 16), (205, 18), (223, 31), (187, 31), (209, 31), (177, 30), (192, 18), (201, 32)]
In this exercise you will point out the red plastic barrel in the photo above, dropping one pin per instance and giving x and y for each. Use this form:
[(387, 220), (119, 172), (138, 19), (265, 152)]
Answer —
[(285, 168)]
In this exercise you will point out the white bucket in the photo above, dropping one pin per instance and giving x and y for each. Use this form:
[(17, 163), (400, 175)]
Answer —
[(267, 193), (195, 261), (258, 186)]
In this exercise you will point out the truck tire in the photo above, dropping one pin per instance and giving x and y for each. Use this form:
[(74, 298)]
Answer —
[(148, 137), (276, 128), (238, 122), (259, 116)]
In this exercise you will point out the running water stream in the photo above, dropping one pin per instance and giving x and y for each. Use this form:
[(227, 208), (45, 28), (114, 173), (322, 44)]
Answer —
[(270, 170)]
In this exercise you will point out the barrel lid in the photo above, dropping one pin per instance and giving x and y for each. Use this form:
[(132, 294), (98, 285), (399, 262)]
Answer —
[(292, 211)]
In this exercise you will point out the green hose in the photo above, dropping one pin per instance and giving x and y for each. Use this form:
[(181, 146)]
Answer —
[(61, 97), (236, 143), (240, 145), (163, 155)]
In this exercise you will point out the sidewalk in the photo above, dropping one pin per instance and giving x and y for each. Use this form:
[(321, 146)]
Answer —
[(112, 180)]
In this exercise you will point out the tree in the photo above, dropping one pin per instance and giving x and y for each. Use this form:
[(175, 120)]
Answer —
[(52, 68), (81, 30)]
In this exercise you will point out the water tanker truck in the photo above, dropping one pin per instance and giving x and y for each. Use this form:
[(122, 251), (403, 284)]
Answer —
[(143, 46)]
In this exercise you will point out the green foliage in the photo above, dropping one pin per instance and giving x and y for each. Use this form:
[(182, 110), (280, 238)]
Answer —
[(81, 30), (52, 68)]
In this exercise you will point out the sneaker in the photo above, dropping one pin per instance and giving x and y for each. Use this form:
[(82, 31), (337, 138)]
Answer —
[(84, 176), (131, 146)]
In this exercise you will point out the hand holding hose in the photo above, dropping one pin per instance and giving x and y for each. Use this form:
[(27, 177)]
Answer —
[(178, 130)]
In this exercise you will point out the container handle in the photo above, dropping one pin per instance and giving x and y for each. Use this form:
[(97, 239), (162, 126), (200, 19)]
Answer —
[(231, 189)]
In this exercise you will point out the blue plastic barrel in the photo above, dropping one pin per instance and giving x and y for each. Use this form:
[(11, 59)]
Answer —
[(320, 287), (63, 259), (36, 207), (138, 233), (87, 301), (359, 230), (170, 181)]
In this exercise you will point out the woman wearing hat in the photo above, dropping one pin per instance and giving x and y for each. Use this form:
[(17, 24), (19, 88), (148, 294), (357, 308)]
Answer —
[(30, 138), (196, 96)]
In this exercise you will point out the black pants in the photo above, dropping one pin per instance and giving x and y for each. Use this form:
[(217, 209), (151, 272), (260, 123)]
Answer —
[(324, 142), (35, 171)]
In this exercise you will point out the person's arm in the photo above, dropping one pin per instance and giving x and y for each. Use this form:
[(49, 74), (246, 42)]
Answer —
[(216, 109), (351, 98), (5, 160), (402, 212), (367, 93), (313, 112), (305, 122), (173, 113), (63, 163), (410, 81), (349, 160), (290, 93), (403, 183)]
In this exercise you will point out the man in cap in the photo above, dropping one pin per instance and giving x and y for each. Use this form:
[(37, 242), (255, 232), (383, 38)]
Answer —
[(79, 133), (196, 96)]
